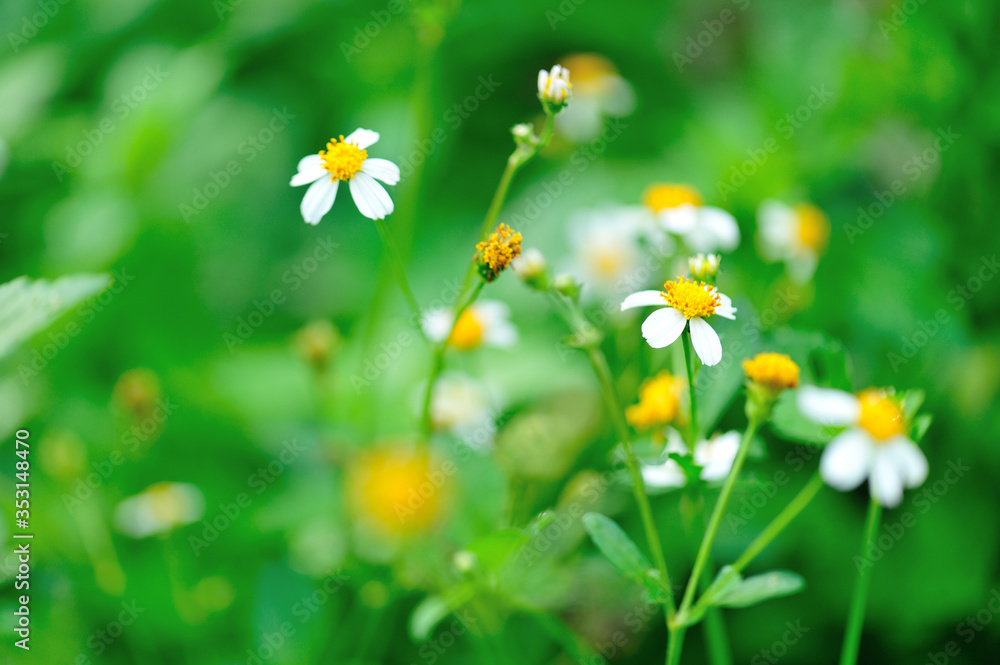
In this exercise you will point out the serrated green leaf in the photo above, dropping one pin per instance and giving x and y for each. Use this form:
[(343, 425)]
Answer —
[(29, 306), (616, 546), (758, 588)]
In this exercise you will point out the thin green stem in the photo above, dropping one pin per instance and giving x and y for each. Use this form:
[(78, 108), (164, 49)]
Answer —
[(675, 645), (713, 522), (396, 264), (856, 618), (437, 362), (689, 365)]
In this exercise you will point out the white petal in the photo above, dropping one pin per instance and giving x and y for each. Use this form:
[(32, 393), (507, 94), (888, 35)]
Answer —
[(319, 199), (886, 481), (543, 78), (381, 169), (371, 198), (829, 406), (722, 226), (716, 456), (437, 323), (706, 342), (909, 459), (643, 299), (663, 476), (847, 460), (362, 137), (680, 220), (663, 327), (725, 308), (310, 169)]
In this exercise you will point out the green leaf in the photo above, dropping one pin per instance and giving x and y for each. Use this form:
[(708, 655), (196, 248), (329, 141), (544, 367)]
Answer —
[(656, 590), (758, 588), (432, 609), (912, 400), (788, 421), (29, 306), (493, 549), (616, 546), (920, 426)]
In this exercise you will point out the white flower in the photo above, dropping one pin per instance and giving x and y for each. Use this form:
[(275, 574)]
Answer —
[(346, 159), (484, 322), (465, 407), (598, 92), (606, 248), (159, 508), (796, 236), (681, 211), (714, 455), (554, 86), (874, 445), (688, 304)]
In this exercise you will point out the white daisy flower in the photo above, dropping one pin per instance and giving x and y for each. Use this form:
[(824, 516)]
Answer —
[(681, 211), (467, 408), (598, 93), (554, 87), (346, 159), (874, 445), (688, 304), (159, 509), (606, 250), (483, 323), (796, 236), (715, 456)]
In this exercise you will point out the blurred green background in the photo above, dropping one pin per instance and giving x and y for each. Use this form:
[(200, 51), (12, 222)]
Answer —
[(118, 121)]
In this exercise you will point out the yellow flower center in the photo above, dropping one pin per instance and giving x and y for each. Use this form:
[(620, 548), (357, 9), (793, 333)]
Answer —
[(814, 227), (659, 402), (692, 299), (496, 252), (881, 414), (396, 490), (773, 370), (468, 331), (342, 160), (166, 503), (663, 196), (606, 261)]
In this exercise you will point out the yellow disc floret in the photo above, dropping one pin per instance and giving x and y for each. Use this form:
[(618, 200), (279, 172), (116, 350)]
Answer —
[(814, 227), (881, 414), (663, 196), (772, 370), (659, 402), (496, 252), (468, 331), (395, 490), (342, 160), (690, 298)]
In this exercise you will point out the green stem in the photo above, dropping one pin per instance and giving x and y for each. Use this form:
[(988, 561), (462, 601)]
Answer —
[(720, 507), (397, 269), (675, 645), (856, 618), (689, 365), (437, 363)]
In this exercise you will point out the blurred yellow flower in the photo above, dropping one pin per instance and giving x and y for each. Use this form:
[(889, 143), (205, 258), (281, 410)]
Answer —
[(483, 323), (398, 491), (659, 402), (774, 371), (661, 196)]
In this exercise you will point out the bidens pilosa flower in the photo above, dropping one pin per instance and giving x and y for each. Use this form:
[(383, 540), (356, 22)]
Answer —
[(875, 444), (494, 254), (704, 266), (796, 236), (396, 491), (715, 456), (660, 402), (768, 374), (465, 407), (159, 509), (598, 92), (483, 323), (688, 305), (347, 159), (554, 88), (681, 211)]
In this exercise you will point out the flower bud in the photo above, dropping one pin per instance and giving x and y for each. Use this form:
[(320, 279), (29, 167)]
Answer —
[(530, 266), (567, 285), (554, 88), (704, 267)]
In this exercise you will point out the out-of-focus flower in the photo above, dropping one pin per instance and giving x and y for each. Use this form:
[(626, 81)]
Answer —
[(137, 392), (554, 88), (483, 323), (660, 402), (531, 267), (494, 254), (688, 304), (704, 267), (316, 342), (396, 491), (796, 236), (606, 250), (875, 444), (768, 375), (346, 159), (63, 455), (465, 407), (599, 92), (714, 455), (681, 211), (159, 509)]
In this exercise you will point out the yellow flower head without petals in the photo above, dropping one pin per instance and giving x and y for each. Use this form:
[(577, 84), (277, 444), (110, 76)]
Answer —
[(496, 252), (772, 370), (659, 402)]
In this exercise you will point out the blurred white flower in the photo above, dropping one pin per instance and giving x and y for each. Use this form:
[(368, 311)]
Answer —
[(681, 211), (714, 455), (159, 509), (465, 407), (598, 93), (874, 445), (554, 86), (684, 304), (483, 323), (530, 266), (606, 251), (796, 236), (346, 159)]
